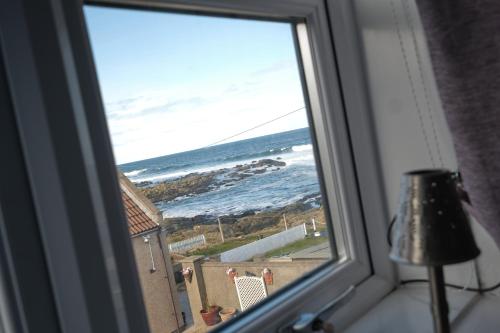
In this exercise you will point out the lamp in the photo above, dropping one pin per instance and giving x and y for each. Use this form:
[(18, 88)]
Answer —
[(432, 229)]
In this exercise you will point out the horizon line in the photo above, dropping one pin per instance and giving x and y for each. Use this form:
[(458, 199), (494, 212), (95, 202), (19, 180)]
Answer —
[(207, 147)]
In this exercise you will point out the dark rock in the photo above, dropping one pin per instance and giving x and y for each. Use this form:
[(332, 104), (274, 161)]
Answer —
[(143, 184), (197, 183)]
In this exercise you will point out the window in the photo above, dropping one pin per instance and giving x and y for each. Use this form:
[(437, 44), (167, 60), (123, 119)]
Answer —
[(87, 202), (208, 121)]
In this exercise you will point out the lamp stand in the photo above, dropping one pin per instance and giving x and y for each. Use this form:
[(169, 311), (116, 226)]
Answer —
[(439, 305)]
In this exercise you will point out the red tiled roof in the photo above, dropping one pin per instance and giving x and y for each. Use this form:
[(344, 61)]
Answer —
[(138, 221)]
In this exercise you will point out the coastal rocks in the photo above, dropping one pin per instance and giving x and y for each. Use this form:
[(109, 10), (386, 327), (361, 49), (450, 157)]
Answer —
[(248, 222), (255, 226), (249, 225), (266, 163), (173, 224), (197, 183), (307, 202), (143, 184), (194, 183)]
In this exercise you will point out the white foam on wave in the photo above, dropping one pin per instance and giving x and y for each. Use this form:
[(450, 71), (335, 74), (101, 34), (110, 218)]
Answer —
[(301, 154), (180, 173), (300, 160), (302, 148), (163, 176), (134, 172)]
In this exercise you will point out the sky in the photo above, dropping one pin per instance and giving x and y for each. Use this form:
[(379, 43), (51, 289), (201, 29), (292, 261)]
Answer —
[(176, 82)]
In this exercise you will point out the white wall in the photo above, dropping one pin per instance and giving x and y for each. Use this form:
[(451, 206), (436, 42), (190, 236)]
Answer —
[(261, 246), (410, 125)]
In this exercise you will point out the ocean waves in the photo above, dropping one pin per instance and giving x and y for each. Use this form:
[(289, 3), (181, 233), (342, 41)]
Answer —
[(258, 193), (246, 157), (301, 148), (235, 188), (134, 172), (302, 155)]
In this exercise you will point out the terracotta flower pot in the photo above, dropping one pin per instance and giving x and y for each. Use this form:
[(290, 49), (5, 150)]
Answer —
[(211, 315), (227, 313), (231, 273), (187, 273), (268, 276)]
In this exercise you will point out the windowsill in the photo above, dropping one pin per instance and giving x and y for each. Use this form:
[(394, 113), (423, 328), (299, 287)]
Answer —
[(407, 309)]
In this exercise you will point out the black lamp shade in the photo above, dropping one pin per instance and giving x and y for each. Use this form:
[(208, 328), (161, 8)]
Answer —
[(431, 228)]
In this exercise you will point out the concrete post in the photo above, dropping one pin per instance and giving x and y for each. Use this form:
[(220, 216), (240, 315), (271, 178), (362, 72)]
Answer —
[(196, 290), (220, 229)]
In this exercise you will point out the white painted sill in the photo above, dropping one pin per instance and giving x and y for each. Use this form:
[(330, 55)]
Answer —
[(407, 309)]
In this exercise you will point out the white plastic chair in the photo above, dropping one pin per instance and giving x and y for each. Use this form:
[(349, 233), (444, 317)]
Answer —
[(250, 290)]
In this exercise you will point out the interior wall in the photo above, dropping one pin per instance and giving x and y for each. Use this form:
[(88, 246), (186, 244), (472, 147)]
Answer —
[(409, 121)]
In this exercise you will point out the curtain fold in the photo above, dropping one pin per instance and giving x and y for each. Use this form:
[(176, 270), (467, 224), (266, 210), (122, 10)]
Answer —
[(464, 44)]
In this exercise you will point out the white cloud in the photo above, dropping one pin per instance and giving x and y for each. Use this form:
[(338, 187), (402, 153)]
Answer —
[(167, 121)]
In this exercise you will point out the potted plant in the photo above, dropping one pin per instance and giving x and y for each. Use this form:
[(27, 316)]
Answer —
[(210, 315), (227, 313), (187, 273), (231, 273)]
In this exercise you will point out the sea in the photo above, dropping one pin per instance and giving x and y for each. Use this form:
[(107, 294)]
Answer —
[(275, 188)]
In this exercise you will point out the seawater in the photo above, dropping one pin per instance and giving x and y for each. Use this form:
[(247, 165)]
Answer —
[(272, 189)]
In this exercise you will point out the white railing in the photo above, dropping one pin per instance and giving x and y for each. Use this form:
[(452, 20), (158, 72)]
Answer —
[(264, 245), (187, 244)]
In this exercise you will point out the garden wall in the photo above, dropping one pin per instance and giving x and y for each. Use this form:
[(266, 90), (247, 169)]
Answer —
[(210, 283)]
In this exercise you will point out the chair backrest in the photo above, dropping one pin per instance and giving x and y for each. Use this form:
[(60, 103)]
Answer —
[(250, 290)]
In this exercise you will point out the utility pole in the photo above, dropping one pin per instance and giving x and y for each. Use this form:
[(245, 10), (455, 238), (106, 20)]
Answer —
[(220, 229), (284, 219)]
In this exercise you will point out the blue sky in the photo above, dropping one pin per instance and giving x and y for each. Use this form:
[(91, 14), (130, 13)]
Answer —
[(175, 82)]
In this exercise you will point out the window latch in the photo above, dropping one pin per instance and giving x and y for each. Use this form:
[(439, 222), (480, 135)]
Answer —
[(315, 322)]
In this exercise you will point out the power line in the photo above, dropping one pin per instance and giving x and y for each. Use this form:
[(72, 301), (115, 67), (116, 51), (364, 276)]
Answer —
[(255, 127)]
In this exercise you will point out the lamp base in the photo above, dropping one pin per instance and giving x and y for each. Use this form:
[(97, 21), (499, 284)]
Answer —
[(439, 304)]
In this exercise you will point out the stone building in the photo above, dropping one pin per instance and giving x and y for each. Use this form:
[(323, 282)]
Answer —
[(153, 261)]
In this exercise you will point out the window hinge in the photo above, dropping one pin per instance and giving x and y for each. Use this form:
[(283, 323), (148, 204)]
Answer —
[(315, 322)]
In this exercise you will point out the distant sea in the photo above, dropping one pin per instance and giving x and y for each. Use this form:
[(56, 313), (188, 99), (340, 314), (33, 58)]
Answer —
[(273, 189)]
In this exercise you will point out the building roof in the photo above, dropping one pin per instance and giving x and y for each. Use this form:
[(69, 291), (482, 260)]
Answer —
[(138, 221), (142, 215)]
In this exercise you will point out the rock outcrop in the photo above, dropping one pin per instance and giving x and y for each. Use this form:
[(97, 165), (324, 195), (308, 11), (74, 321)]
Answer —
[(197, 183)]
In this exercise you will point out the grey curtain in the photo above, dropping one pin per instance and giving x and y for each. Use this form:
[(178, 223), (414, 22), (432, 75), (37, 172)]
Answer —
[(464, 43)]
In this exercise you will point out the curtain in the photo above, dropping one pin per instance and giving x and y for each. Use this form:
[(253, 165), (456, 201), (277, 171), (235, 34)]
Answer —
[(464, 43)]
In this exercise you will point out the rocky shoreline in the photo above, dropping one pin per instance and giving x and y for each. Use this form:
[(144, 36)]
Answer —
[(197, 183), (234, 225), (246, 223)]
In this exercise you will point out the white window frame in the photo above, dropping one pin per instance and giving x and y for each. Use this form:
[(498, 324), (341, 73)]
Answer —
[(334, 76), (335, 145)]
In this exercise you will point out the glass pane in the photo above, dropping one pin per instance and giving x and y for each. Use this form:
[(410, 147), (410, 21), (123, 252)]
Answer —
[(211, 135)]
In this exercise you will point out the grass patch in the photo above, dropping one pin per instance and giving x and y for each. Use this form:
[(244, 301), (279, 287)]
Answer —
[(296, 246), (222, 247), (229, 244)]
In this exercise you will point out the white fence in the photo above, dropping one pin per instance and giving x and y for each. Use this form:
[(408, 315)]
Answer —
[(264, 245), (187, 244)]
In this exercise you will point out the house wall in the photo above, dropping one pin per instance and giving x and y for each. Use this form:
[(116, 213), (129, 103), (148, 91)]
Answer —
[(211, 284), (158, 288), (410, 126)]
